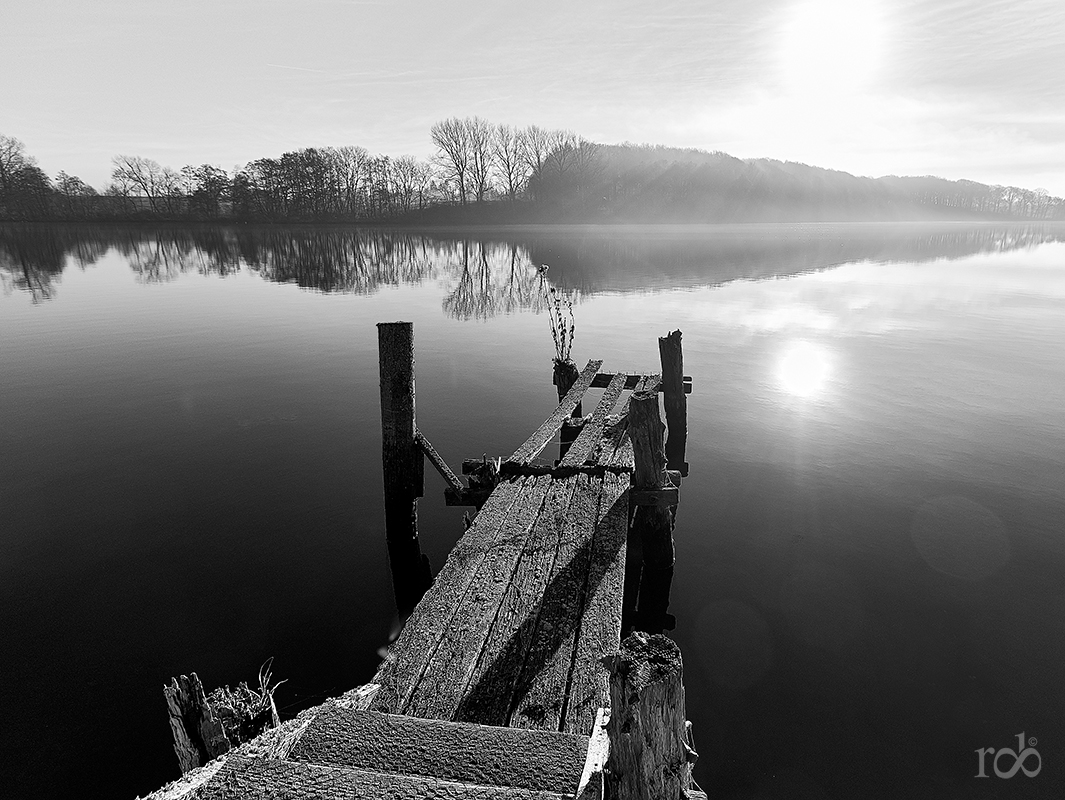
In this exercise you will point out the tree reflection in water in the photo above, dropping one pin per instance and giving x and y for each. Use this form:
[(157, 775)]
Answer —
[(494, 273)]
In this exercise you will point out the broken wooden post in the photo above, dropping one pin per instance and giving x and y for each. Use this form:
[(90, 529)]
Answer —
[(673, 398), (403, 464), (650, 754), (651, 524), (207, 726), (565, 375), (198, 733)]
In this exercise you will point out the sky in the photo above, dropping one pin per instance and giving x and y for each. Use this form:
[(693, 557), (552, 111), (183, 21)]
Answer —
[(957, 88)]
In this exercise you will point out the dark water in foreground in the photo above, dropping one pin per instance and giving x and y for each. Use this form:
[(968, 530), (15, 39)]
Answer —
[(871, 575)]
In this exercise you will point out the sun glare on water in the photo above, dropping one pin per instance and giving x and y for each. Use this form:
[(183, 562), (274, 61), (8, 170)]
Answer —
[(831, 46), (803, 369)]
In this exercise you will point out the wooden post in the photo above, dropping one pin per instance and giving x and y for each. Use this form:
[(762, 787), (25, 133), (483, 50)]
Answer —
[(565, 375), (403, 464), (650, 757), (674, 400), (198, 733), (652, 524)]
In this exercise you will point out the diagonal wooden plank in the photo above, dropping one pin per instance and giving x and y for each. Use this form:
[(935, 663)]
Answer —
[(409, 655), (541, 688), (439, 692), (599, 632), (489, 697), (590, 434), (538, 441)]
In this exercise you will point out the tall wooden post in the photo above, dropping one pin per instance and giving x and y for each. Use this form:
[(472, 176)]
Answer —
[(650, 754), (673, 398), (403, 464), (565, 375), (653, 524)]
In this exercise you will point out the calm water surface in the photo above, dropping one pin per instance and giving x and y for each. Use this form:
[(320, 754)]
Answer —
[(871, 573)]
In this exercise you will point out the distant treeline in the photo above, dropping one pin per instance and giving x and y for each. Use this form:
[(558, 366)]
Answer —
[(485, 173)]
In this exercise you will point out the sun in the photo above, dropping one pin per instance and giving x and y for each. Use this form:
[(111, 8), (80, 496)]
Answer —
[(803, 369), (831, 47)]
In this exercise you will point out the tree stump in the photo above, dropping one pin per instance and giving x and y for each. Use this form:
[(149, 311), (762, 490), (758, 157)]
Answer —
[(650, 758)]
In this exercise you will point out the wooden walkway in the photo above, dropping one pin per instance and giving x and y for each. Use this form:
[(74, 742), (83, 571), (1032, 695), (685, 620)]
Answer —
[(515, 623), (499, 684)]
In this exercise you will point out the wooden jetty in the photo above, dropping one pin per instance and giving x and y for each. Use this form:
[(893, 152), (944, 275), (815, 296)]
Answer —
[(532, 665)]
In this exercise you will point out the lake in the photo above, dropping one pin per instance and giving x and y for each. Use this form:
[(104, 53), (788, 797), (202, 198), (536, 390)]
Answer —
[(870, 583)]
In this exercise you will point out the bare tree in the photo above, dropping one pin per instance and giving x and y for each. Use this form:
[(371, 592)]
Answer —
[(137, 175), (451, 138), (562, 146), (535, 146), (479, 136), (510, 167), (351, 165), (13, 160)]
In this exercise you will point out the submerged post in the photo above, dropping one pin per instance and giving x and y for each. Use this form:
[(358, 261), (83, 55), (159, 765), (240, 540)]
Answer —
[(403, 464), (673, 398), (650, 750), (652, 525)]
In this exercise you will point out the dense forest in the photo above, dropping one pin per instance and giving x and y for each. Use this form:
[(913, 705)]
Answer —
[(485, 173)]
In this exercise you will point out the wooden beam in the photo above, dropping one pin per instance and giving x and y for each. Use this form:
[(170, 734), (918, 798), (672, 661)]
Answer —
[(650, 757), (434, 458), (602, 380), (663, 498), (538, 441), (466, 497)]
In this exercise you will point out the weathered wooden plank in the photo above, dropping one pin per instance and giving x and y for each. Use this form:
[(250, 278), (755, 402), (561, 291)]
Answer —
[(439, 692), (591, 433), (250, 779), (410, 654), (600, 626), (538, 441), (603, 379), (460, 752), (491, 693), (437, 461), (542, 682), (609, 438)]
